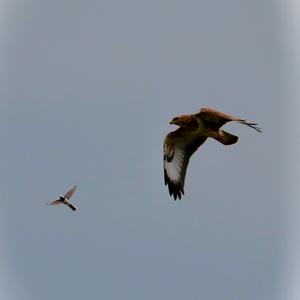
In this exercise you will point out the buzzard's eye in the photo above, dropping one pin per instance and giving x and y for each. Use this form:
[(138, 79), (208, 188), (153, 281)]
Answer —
[(175, 120)]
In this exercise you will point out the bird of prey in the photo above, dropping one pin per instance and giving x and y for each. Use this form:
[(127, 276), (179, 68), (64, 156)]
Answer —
[(180, 144), (65, 199)]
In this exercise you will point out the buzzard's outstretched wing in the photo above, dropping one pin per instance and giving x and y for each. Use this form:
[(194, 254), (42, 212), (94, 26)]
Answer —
[(176, 159)]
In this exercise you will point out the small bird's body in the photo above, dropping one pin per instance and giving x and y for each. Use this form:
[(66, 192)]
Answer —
[(65, 199), (180, 144)]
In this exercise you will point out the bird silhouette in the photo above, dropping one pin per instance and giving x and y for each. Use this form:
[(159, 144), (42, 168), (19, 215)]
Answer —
[(65, 199), (194, 129)]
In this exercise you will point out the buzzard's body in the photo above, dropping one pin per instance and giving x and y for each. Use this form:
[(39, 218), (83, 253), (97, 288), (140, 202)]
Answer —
[(65, 199), (193, 131)]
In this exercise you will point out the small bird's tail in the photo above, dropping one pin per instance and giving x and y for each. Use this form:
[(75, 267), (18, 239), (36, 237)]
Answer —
[(72, 206), (226, 138)]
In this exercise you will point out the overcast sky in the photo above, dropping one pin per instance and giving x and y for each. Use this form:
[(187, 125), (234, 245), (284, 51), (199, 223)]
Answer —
[(90, 88)]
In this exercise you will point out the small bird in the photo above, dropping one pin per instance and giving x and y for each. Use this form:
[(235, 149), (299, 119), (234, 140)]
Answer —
[(65, 199), (180, 144)]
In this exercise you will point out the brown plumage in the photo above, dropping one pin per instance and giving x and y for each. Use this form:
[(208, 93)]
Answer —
[(179, 145)]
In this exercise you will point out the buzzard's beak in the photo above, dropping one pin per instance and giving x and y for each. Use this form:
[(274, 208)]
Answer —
[(172, 122)]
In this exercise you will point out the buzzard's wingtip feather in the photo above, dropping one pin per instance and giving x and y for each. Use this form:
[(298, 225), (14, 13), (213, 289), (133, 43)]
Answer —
[(252, 125)]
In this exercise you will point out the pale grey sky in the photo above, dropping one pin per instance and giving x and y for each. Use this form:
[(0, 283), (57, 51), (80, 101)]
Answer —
[(90, 88)]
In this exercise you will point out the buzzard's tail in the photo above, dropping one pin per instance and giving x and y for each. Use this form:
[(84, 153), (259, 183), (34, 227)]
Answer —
[(226, 138)]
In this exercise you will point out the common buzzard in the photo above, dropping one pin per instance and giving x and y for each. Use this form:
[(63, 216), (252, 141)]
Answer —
[(193, 131)]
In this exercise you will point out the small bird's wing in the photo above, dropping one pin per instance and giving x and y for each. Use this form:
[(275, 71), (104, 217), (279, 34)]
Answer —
[(69, 193), (56, 202), (176, 158), (215, 119)]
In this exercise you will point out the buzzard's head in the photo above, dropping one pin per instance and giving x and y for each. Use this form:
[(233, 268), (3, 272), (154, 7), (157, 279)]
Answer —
[(176, 121), (185, 121)]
